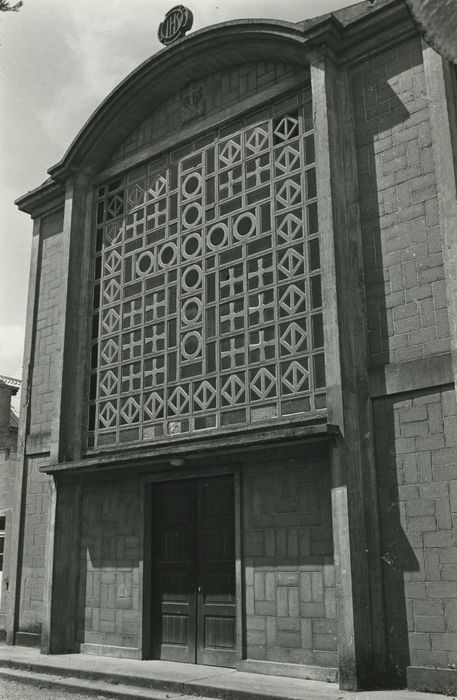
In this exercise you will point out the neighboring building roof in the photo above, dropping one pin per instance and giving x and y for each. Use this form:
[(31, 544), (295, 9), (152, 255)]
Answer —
[(14, 420), (13, 384)]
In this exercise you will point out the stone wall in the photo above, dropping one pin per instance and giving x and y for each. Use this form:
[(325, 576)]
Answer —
[(32, 561), (404, 274), (416, 438), (49, 309), (41, 412), (109, 611), (288, 557), (7, 503)]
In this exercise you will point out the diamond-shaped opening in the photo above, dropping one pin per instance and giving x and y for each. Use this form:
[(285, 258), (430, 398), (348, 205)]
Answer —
[(111, 290), (107, 415), (130, 410), (112, 262), (205, 395), (153, 407), (290, 262), (291, 299), (110, 321), (178, 400), (109, 382), (295, 377), (233, 389), (157, 186), (230, 152), (110, 351), (288, 193), (290, 227), (293, 337), (257, 140), (287, 128), (262, 383), (287, 159), (135, 195)]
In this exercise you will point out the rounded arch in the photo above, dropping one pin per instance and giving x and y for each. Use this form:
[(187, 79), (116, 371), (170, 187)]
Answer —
[(149, 85)]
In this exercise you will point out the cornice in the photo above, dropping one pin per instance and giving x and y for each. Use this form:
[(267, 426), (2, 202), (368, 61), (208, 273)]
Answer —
[(42, 199)]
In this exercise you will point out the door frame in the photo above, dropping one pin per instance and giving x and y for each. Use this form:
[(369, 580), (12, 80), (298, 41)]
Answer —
[(178, 474)]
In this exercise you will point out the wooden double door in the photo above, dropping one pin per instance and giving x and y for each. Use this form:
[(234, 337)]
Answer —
[(193, 571)]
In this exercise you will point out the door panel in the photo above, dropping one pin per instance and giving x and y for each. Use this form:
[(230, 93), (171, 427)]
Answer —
[(194, 592), (216, 603), (174, 596)]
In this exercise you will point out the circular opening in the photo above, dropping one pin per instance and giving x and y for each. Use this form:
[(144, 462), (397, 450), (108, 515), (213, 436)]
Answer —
[(244, 225), (217, 236), (191, 345), (191, 310), (192, 185), (145, 263), (167, 254), (191, 277), (192, 215), (191, 246)]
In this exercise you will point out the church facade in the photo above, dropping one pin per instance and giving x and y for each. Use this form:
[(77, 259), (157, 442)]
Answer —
[(238, 442)]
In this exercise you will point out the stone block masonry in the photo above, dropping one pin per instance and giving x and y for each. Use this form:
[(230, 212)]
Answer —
[(7, 501), (289, 572), (111, 549), (33, 548), (43, 384), (218, 91), (404, 274), (416, 436)]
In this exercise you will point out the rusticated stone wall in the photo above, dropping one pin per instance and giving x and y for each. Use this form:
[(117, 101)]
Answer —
[(404, 274), (416, 438), (288, 550)]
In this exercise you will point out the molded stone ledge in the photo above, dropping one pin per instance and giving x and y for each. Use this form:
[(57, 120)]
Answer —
[(432, 680), (432, 371), (190, 447), (37, 444)]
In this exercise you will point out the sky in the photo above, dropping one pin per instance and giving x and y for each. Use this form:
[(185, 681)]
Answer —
[(58, 60)]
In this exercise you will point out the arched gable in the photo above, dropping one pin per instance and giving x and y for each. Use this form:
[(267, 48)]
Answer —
[(192, 58), (209, 99)]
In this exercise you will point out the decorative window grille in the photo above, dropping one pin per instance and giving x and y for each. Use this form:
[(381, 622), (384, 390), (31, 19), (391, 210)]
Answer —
[(207, 298)]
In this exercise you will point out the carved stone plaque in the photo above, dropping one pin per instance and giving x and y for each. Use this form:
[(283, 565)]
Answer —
[(177, 22), (193, 104)]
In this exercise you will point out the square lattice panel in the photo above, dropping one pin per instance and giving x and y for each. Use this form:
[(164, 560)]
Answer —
[(207, 295)]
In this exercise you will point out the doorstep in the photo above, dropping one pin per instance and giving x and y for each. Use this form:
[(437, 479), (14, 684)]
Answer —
[(189, 680)]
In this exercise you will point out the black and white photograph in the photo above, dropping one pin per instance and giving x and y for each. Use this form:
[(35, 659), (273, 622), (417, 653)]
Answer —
[(228, 350)]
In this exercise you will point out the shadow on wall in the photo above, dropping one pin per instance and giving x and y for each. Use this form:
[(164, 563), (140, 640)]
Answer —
[(397, 195), (399, 559), (108, 597)]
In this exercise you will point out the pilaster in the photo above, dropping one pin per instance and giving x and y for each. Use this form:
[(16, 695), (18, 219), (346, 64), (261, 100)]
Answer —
[(361, 636), (72, 346), (17, 528), (63, 564), (62, 560)]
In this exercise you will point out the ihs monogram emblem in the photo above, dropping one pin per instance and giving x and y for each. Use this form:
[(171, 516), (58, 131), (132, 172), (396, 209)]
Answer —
[(177, 22)]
